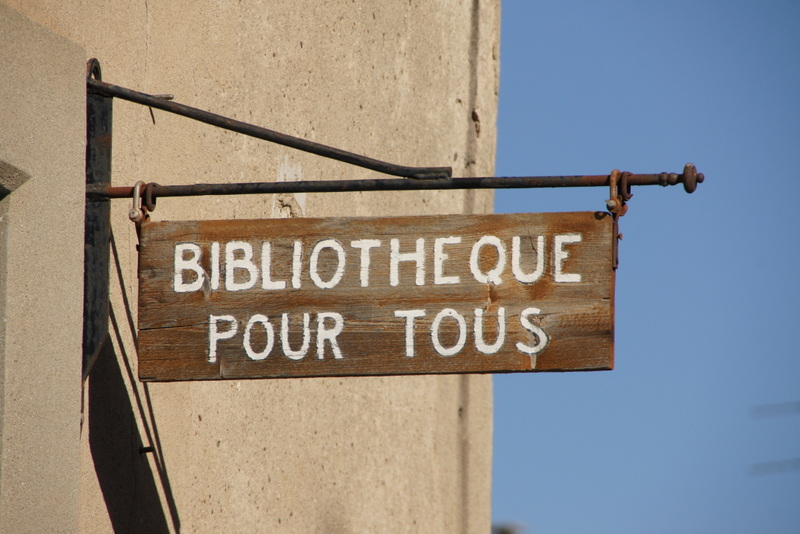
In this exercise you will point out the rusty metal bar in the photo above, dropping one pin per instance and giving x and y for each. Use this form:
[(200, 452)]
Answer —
[(418, 173), (689, 178)]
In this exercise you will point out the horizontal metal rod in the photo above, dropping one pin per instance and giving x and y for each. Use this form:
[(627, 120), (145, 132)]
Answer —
[(689, 179), (418, 173)]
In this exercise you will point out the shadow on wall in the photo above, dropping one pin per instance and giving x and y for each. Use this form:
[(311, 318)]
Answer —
[(10, 178), (126, 478), (124, 473)]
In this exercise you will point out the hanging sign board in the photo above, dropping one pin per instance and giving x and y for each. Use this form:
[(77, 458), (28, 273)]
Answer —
[(375, 296)]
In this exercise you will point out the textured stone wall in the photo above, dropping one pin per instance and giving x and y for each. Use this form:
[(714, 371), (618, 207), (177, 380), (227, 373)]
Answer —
[(42, 113), (412, 83)]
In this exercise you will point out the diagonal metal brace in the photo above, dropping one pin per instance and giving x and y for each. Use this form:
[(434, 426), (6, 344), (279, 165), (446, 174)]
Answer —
[(97, 86)]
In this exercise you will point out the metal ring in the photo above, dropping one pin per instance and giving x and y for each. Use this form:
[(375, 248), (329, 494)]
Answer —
[(149, 197), (93, 69), (625, 187)]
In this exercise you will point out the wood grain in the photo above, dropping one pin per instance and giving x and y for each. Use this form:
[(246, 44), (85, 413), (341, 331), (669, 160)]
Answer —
[(576, 317)]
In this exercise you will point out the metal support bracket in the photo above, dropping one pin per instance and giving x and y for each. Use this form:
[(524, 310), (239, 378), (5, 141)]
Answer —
[(620, 193), (97, 228), (163, 103), (99, 192)]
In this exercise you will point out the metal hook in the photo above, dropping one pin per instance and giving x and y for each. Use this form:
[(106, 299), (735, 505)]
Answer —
[(136, 213), (149, 197), (620, 193), (93, 69), (613, 204)]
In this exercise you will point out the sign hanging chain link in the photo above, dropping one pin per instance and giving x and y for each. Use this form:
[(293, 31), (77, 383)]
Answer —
[(620, 194)]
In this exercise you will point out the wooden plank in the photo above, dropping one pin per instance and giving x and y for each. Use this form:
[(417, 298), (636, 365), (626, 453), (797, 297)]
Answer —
[(375, 296)]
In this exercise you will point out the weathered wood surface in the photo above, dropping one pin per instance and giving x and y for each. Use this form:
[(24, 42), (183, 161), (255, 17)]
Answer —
[(574, 318)]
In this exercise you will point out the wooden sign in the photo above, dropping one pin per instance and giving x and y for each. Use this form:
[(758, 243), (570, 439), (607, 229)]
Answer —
[(375, 296)]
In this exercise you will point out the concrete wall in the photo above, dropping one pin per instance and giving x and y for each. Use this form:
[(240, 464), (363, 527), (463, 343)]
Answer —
[(42, 113), (413, 83)]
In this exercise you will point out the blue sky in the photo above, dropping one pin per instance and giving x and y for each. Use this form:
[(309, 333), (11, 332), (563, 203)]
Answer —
[(698, 427)]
